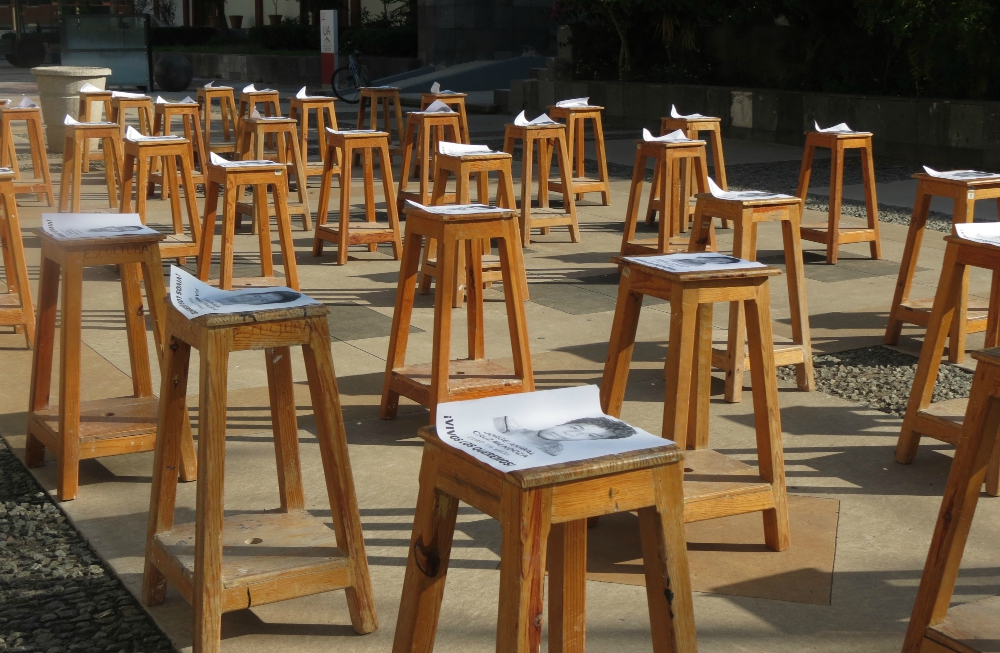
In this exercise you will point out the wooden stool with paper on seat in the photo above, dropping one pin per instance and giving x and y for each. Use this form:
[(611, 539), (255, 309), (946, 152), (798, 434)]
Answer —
[(386, 96), (575, 116), (78, 134), (250, 97), (206, 95), (719, 485), (41, 184), (16, 309), (91, 103), (253, 132), (424, 130), (143, 106), (190, 117), (326, 117), (456, 102)]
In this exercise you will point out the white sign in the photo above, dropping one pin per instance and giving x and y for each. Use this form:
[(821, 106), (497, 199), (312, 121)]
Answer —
[(74, 226), (694, 262), (328, 36), (538, 429), (194, 298)]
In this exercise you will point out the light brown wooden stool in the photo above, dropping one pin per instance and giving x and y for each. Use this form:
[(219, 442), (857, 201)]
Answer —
[(144, 113), (75, 430), (343, 232), (388, 96), (222, 563), (964, 193), (16, 309), (692, 128), (172, 154), (190, 117), (423, 132), (457, 103), (970, 627), (86, 113), (233, 180), (253, 133), (442, 379), (326, 116), (270, 102), (463, 167), (943, 420), (227, 109), (746, 215), (576, 120), (671, 192), (74, 155), (548, 137), (832, 234), (543, 514), (42, 182), (734, 487)]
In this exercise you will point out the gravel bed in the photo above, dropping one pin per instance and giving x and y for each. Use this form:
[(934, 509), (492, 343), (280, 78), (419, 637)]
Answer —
[(879, 378), (56, 595)]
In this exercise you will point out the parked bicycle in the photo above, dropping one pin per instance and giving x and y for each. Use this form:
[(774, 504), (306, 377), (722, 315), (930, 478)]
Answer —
[(350, 79)]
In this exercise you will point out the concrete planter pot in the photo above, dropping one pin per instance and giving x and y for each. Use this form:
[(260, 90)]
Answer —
[(274, 19), (236, 22), (59, 89)]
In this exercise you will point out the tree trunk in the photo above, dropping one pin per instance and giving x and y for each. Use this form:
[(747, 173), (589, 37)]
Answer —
[(624, 55), (258, 12), (355, 13)]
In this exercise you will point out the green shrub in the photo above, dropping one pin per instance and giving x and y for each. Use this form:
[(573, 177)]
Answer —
[(380, 42), (289, 35)]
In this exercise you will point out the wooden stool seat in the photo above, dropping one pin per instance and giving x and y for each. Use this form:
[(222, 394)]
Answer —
[(74, 156), (15, 305), (549, 137), (211, 561), (456, 101), (423, 132), (144, 113), (480, 378), (973, 627), (905, 310), (190, 117), (746, 216), (260, 176), (388, 96), (76, 430), (671, 191), (543, 516), (832, 234), (343, 232), (41, 184), (943, 420), (206, 95), (171, 154), (576, 119), (87, 113), (253, 133), (326, 116), (719, 485)]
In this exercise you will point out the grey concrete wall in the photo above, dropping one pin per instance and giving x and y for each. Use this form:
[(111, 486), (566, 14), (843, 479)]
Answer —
[(457, 31), (933, 131)]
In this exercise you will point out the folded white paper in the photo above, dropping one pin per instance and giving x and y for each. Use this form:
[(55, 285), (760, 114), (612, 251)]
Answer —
[(961, 175), (457, 209), (694, 262), (842, 128), (459, 149), (574, 103), (538, 429), (217, 160), (123, 95), (691, 116), (302, 95), (90, 88), (743, 195), (436, 89), (73, 226), (986, 232), (256, 115), (331, 130), (252, 89), (210, 84), (26, 103), (6, 171), (194, 298), (134, 135), (186, 100), (676, 136), (437, 106), (522, 121), (68, 120)]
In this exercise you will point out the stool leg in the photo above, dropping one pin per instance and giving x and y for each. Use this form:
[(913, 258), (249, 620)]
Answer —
[(736, 337), (430, 251), (443, 303), (369, 185), (385, 166), (39, 162), (347, 169), (110, 170), (804, 377), (286, 432), (908, 266), (263, 222), (208, 229), (399, 334), (871, 201), (602, 160), (836, 193), (285, 232), (70, 345), (125, 201), (634, 198), (680, 362), (568, 587), (525, 520), (655, 194), (324, 201), (404, 174), (664, 554), (511, 264), (620, 346), (17, 271), (569, 204), (701, 381), (474, 294), (135, 330), (963, 212), (526, 174), (426, 561), (187, 178), (227, 247), (42, 355)]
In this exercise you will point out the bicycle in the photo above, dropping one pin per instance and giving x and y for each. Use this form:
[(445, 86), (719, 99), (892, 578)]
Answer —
[(348, 80)]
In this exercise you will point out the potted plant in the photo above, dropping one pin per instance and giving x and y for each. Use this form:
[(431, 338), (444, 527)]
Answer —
[(236, 22), (275, 18)]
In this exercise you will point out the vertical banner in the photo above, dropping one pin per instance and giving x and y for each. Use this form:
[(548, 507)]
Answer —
[(328, 42)]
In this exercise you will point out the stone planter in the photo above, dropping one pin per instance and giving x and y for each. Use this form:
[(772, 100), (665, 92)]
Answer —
[(274, 19), (236, 22), (59, 88)]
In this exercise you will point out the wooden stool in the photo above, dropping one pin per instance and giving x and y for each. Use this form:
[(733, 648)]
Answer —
[(75, 430), (42, 182), (370, 97), (74, 155), (688, 376), (457, 102), (423, 132), (344, 232), (212, 562), (970, 627), (692, 128), (326, 116), (86, 114), (144, 112), (190, 117), (746, 215), (831, 234), (140, 156), (442, 379), (964, 193), (670, 194), (15, 305), (253, 133), (227, 109), (943, 420), (270, 102), (543, 217), (576, 120), (463, 167), (543, 513), (233, 180)]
